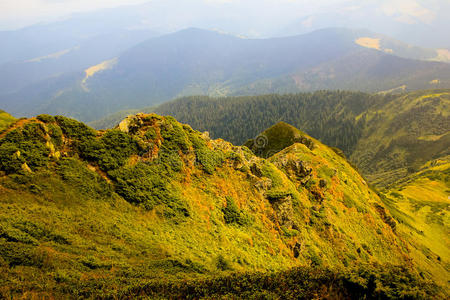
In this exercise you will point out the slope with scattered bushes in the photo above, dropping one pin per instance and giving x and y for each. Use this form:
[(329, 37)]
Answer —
[(152, 204)]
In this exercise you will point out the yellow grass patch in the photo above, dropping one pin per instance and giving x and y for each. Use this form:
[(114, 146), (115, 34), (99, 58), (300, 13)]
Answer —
[(369, 43), (442, 55), (426, 190), (435, 81), (432, 138), (50, 56), (106, 65)]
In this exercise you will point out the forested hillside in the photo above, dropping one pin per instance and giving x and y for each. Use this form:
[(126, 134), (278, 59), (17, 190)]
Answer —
[(386, 136), (327, 115)]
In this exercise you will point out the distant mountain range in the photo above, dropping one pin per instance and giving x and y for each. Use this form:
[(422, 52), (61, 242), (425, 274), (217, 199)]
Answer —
[(35, 66), (200, 62), (417, 22)]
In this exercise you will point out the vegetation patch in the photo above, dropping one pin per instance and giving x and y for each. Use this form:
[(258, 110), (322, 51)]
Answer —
[(233, 215)]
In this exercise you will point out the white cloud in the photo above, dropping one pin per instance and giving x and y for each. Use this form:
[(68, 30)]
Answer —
[(30, 11), (17, 11), (408, 11)]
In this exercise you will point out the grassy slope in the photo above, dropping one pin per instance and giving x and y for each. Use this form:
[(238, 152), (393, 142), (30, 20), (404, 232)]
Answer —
[(420, 203), (5, 119), (403, 134), (69, 228)]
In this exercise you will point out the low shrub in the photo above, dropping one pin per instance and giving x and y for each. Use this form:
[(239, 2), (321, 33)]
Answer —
[(232, 214), (209, 159), (74, 129), (148, 185), (89, 183), (46, 118)]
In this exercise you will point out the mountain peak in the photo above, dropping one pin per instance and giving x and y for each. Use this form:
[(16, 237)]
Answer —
[(276, 138)]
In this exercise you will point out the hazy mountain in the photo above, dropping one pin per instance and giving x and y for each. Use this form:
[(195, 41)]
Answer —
[(422, 23), (44, 39), (194, 61), (161, 210), (88, 52)]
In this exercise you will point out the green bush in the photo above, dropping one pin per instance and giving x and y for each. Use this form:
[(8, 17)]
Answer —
[(232, 214), (31, 144), (367, 282), (118, 147), (197, 141), (34, 132), (36, 155), (46, 118), (94, 263), (56, 134), (174, 136), (89, 183), (171, 160), (149, 186), (74, 129), (10, 161), (209, 159), (19, 254), (150, 134), (38, 232), (111, 151), (11, 234)]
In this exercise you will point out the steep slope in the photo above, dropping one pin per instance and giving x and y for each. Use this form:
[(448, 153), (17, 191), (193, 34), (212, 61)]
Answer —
[(153, 200), (5, 120), (201, 62), (420, 202), (403, 134)]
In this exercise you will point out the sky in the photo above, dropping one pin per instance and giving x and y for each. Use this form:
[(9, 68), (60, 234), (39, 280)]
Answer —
[(19, 13)]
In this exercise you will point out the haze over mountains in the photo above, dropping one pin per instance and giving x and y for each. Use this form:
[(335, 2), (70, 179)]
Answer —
[(111, 59), (201, 62), (418, 22)]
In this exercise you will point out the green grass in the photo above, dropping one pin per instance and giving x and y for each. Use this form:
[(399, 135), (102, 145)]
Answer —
[(5, 120), (156, 215), (420, 204)]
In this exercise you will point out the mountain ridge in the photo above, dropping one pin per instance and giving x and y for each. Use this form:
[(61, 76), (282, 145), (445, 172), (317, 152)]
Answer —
[(156, 175), (368, 128)]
